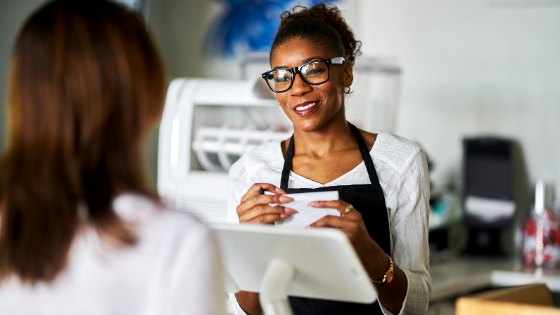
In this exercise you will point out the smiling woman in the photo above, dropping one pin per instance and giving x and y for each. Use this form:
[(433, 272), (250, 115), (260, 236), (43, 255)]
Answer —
[(382, 179), (327, 99)]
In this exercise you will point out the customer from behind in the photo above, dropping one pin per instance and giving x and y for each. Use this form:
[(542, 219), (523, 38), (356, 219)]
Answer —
[(80, 230)]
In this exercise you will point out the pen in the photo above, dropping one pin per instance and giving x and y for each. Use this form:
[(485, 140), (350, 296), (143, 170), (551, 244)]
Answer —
[(261, 191)]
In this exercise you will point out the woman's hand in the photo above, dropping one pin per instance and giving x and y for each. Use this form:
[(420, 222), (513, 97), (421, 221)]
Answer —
[(372, 256), (255, 208), (351, 223)]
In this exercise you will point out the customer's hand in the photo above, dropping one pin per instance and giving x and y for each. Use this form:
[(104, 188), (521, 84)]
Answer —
[(352, 224), (255, 208)]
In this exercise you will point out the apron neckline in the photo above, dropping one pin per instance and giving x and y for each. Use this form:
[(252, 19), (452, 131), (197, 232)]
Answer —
[(332, 182)]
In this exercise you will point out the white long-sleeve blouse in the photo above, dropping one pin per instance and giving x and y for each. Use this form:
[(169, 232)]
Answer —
[(173, 269), (403, 174)]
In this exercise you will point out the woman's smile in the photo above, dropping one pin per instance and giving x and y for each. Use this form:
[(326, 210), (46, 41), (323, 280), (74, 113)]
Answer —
[(310, 107), (306, 107)]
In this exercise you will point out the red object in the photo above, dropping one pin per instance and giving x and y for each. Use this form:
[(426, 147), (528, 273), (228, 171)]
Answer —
[(551, 240)]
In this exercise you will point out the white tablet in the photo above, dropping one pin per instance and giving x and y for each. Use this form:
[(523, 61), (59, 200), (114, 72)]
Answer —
[(327, 267)]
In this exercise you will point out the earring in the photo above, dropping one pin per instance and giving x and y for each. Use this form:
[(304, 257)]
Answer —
[(346, 89)]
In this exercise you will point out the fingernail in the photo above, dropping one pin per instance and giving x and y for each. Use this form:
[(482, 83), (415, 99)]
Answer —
[(307, 226), (311, 204), (285, 215), (279, 190), (285, 199), (290, 210)]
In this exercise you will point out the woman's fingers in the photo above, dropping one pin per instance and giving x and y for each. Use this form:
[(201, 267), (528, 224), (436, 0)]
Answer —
[(257, 200), (265, 210), (349, 222), (339, 205), (254, 190), (335, 204), (256, 207), (349, 227), (269, 218), (332, 221), (260, 210)]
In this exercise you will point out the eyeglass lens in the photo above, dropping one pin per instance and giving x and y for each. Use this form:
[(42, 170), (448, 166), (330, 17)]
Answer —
[(313, 73)]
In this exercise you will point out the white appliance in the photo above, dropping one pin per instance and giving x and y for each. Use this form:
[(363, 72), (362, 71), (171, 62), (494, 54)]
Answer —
[(208, 124)]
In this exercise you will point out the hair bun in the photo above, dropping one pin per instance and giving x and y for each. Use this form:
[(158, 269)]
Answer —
[(331, 15)]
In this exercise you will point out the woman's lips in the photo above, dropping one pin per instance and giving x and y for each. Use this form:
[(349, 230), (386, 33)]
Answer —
[(306, 108)]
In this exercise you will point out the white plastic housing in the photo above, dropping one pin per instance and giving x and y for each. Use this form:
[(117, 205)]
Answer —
[(207, 125)]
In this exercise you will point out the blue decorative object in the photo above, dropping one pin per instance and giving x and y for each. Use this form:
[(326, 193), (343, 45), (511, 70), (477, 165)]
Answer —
[(247, 25)]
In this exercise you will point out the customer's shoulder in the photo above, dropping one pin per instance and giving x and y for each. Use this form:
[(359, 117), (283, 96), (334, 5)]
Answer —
[(163, 233), (395, 150), (150, 215)]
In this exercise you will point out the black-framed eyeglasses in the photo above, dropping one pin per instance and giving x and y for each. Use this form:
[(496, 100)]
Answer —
[(314, 72)]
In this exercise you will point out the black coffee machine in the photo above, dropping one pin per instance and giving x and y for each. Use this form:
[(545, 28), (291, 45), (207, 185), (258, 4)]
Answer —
[(488, 193)]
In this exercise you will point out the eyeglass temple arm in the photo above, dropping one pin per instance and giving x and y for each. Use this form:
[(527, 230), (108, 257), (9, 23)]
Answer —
[(338, 60)]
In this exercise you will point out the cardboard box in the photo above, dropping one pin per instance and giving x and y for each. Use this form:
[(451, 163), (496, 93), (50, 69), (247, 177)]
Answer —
[(531, 299)]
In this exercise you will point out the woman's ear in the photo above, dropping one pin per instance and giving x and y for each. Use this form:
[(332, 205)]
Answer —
[(347, 74)]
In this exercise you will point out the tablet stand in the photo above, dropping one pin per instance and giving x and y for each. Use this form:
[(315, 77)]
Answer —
[(274, 288)]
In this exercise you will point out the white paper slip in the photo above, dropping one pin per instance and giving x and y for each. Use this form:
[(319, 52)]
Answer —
[(307, 215)]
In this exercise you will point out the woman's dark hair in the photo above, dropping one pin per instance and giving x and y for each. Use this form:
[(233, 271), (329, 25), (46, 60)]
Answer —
[(322, 24), (86, 85)]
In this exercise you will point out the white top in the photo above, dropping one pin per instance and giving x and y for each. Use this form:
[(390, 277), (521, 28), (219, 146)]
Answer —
[(403, 174), (173, 269)]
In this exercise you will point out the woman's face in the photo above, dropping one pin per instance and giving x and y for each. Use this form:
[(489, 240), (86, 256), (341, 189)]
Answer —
[(311, 107)]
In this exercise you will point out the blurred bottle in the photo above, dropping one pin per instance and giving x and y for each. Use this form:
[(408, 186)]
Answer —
[(541, 234)]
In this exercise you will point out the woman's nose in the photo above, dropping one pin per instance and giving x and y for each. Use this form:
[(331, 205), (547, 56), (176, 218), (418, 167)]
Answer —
[(299, 86)]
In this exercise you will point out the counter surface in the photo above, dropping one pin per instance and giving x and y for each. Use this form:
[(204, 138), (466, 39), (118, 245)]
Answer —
[(464, 275)]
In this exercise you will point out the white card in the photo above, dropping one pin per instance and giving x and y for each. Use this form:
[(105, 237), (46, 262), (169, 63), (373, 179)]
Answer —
[(307, 215)]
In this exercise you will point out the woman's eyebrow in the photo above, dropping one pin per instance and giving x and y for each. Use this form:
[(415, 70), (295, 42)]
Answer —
[(312, 58), (302, 62)]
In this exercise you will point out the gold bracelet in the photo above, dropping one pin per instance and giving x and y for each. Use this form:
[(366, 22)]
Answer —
[(388, 276)]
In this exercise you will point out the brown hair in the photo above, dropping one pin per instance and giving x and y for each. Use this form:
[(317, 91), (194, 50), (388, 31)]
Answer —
[(86, 83), (322, 24)]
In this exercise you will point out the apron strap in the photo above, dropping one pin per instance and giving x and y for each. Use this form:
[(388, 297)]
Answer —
[(367, 158), (287, 165), (363, 150)]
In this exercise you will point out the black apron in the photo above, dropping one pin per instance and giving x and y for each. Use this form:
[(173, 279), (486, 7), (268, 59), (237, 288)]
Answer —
[(366, 198)]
